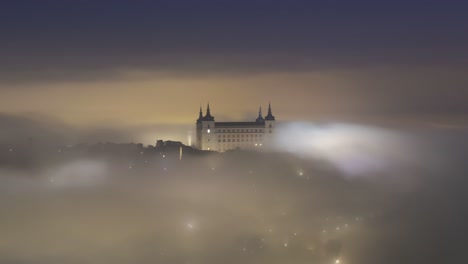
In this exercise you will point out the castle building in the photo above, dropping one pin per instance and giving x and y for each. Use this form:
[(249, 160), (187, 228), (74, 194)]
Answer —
[(223, 136)]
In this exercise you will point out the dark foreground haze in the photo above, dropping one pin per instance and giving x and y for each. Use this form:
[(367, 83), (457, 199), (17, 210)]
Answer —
[(348, 195)]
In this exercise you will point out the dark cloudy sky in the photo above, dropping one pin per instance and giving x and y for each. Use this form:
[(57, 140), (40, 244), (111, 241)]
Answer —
[(145, 63)]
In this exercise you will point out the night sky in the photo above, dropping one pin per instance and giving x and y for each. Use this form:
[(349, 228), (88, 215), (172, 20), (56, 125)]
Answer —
[(140, 64)]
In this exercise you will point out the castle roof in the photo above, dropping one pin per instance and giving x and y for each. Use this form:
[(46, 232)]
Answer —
[(239, 124)]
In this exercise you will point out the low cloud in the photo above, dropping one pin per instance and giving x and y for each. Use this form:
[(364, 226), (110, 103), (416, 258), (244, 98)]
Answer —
[(128, 204)]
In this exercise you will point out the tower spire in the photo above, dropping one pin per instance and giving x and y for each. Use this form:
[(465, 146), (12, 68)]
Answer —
[(208, 110), (208, 116), (200, 115), (260, 116), (269, 116)]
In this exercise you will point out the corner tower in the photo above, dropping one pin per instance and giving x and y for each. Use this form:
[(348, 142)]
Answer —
[(270, 126), (205, 130)]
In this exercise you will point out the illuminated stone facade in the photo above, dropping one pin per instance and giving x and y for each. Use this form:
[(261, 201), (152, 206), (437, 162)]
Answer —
[(223, 136)]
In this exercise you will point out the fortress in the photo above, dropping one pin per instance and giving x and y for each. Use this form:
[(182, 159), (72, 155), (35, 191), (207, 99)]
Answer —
[(223, 136)]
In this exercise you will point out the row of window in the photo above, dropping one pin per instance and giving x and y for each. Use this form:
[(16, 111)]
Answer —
[(240, 136), (237, 140), (239, 130)]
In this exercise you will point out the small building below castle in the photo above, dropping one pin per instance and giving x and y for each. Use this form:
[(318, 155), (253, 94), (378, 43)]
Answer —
[(224, 136)]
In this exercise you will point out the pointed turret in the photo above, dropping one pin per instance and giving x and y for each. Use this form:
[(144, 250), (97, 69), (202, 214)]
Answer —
[(260, 118), (200, 115), (269, 116), (208, 116)]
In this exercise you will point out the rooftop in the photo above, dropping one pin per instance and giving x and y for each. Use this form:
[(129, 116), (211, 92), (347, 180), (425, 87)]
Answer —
[(239, 124)]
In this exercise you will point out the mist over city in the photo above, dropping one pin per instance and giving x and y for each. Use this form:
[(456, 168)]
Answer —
[(129, 203), (236, 132)]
